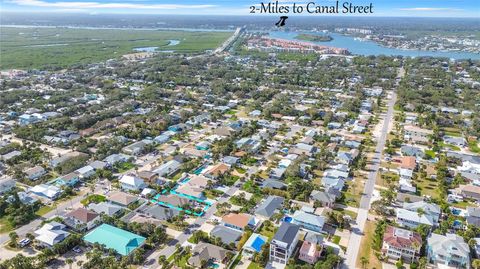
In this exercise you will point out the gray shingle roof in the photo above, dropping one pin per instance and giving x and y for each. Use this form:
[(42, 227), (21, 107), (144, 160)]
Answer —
[(286, 233), (227, 235), (268, 207)]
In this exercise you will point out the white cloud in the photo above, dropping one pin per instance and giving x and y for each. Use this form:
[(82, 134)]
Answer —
[(97, 5), (430, 9)]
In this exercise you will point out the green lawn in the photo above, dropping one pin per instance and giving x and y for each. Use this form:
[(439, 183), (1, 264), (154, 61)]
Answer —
[(254, 265), (367, 250), (240, 170), (450, 146), (473, 145), (353, 193), (94, 198), (430, 153), (428, 187), (62, 47), (336, 239), (44, 210), (352, 214), (463, 204), (452, 132), (123, 167), (5, 226), (268, 231)]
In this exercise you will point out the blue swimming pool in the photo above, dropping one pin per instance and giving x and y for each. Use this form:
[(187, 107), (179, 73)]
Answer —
[(185, 180), (287, 219), (258, 243), (214, 265), (199, 170), (456, 211)]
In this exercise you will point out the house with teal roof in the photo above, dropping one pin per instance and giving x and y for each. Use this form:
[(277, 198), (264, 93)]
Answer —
[(123, 242)]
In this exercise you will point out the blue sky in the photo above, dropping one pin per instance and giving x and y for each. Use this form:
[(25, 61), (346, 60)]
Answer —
[(412, 8)]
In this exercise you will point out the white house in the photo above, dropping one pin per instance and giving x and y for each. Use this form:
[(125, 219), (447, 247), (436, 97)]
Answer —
[(132, 183), (51, 233)]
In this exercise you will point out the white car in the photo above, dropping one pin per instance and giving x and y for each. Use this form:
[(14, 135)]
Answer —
[(24, 242)]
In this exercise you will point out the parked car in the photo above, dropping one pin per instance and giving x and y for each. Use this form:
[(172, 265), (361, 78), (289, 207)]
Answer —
[(24, 242), (77, 249)]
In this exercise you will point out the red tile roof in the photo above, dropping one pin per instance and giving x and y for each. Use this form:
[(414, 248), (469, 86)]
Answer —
[(402, 238), (408, 162), (82, 215)]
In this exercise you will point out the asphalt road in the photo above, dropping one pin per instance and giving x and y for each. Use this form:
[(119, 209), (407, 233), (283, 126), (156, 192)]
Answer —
[(358, 228), (34, 225)]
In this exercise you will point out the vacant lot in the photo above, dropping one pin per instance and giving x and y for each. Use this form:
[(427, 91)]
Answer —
[(62, 47)]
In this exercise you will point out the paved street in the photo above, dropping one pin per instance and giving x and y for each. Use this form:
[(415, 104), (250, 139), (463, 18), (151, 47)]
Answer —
[(60, 210), (357, 229)]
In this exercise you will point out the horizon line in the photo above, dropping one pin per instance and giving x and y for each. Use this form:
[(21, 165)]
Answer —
[(228, 15)]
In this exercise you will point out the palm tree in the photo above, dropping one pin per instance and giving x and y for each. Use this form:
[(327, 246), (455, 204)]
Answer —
[(69, 261), (13, 239), (162, 261), (364, 262), (476, 264)]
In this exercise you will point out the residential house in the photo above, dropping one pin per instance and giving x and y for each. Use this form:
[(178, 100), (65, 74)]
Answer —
[(48, 191), (113, 159), (473, 216), (408, 150), (97, 165), (85, 172), (6, 184), (401, 244), (469, 191), (413, 219), (325, 199), (148, 176), (123, 242), (24, 198), (273, 184), (121, 198), (456, 141), (254, 245), (308, 221), (137, 148), (417, 134), (168, 168), (10, 155), (216, 170), (35, 172), (69, 180), (277, 173), (161, 213), (109, 209), (311, 248), (284, 242), (408, 162), (65, 157), (239, 221), (81, 219), (427, 208), (448, 250), (132, 183), (208, 253), (270, 206), (51, 233), (195, 187), (227, 235), (230, 160)]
